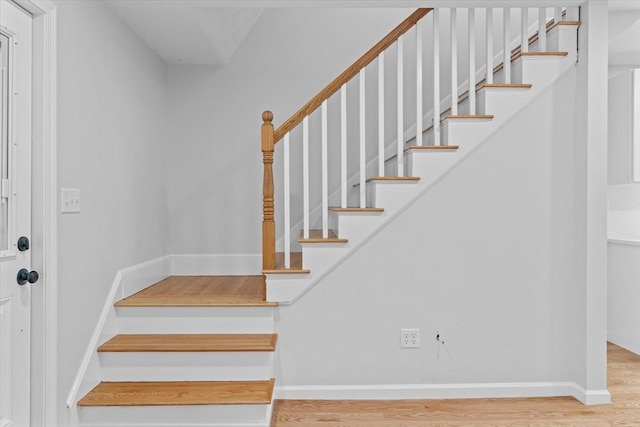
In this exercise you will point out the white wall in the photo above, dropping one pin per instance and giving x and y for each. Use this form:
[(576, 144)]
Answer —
[(486, 258), (215, 173), (111, 119)]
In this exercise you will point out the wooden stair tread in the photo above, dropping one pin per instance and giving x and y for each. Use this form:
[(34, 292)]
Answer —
[(532, 54), (189, 343), (391, 179), (469, 116), (201, 291), (169, 393), (296, 265), (506, 85), (315, 236), (432, 147), (355, 210)]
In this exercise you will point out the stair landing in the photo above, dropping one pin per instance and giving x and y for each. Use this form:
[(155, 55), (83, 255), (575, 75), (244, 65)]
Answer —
[(201, 291)]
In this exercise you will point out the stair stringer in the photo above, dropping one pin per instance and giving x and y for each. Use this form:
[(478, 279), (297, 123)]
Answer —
[(286, 289)]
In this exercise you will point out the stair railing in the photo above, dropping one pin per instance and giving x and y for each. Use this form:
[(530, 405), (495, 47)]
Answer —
[(533, 30)]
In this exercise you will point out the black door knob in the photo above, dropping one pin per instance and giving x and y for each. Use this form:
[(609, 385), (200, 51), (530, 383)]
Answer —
[(23, 244), (25, 276)]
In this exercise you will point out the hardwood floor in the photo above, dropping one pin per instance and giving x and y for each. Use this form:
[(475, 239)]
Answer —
[(624, 385)]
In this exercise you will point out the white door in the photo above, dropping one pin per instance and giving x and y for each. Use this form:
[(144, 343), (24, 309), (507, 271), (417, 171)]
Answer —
[(15, 214)]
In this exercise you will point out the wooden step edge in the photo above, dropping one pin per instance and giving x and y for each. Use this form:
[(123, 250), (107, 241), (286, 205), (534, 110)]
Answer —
[(435, 148), (179, 393), (357, 210), (148, 343), (221, 302), (296, 265), (315, 236), (469, 117), (505, 86), (390, 179), (287, 271), (565, 23), (535, 54)]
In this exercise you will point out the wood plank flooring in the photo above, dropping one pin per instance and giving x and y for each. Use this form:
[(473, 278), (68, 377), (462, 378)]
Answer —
[(180, 393), (624, 385), (201, 291), (189, 342)]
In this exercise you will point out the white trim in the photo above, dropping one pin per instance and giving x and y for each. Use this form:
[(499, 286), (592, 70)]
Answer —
[(127, 281), (635, 124), (45, 47), (216, 264), (443, 391)]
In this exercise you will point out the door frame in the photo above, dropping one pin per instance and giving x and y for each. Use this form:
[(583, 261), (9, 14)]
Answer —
[(44, 405)]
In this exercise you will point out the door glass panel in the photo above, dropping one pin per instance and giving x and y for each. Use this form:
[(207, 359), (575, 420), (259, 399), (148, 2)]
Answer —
[(4, 143)]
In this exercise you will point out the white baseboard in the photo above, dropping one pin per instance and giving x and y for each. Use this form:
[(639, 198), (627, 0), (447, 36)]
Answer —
[(216, 264), (592, 397), (443, 391)]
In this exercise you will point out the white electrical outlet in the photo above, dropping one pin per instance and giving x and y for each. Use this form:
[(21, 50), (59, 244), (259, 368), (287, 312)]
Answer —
[(409, 338)]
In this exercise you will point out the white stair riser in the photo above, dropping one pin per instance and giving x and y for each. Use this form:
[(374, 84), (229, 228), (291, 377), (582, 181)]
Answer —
[(186, 366), (465, 131), (392, 195), (320, 256), (356, 225), (200, 415), (429, 165), (285, 287), (562, 38), (195, 320), (539, 70), (500, 101)]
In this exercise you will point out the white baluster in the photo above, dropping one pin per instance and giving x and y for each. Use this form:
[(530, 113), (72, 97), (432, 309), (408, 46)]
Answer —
[(363, 165), (557, 14), (489, 37), (305, 177), (343, 146), (325, 177), (524, 24), (542, 29), (472, 61), (454, 62), (418, 84), (436, 77), (506, 45), (381, 114), (400, 127), (287, 205)]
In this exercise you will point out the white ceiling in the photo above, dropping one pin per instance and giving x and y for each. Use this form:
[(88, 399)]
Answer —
[(188, 34), (208, 32)]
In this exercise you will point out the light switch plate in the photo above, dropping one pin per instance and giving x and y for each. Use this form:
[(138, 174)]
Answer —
[(70, 200)]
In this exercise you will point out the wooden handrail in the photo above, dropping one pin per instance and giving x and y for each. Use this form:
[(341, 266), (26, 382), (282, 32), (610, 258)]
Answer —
[(349, 73)]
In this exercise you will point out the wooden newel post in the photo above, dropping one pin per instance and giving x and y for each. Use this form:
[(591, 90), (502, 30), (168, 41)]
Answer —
[(268, 221)]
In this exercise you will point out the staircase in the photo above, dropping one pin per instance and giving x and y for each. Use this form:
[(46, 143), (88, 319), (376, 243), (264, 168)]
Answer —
[(199, 350)]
